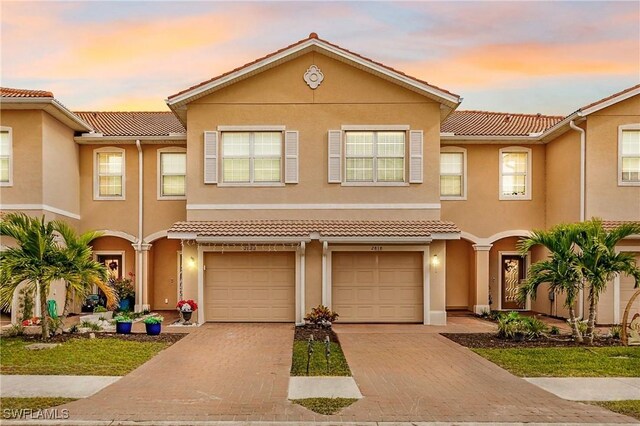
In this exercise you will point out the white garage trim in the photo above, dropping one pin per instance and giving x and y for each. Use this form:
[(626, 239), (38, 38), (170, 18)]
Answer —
[(327, 255), (298, 249)]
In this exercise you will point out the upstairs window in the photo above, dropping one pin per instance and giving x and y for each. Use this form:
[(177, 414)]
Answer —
[(252, 157), (375, 156), (629, 155), (6, 156), (172, 173), (515, 173), (109, 174), (453, 173)]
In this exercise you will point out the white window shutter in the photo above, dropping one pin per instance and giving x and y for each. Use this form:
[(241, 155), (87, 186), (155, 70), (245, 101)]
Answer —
[(210, 157), (291, 156), (415, 156), (335, 156)]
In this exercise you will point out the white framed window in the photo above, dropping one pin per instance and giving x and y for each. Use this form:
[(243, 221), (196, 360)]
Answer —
[(629, 155), (374, 157), (253, 158), (109, 174), (172, 173), (453, 173), (6, 156), (515, 173)]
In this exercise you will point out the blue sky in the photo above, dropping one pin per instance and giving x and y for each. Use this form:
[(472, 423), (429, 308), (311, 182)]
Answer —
[(548, 57)]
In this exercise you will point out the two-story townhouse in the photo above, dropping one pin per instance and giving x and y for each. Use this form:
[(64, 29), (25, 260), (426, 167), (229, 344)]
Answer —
[(315, 175)]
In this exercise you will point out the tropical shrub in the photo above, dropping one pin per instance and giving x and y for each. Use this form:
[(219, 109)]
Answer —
[(554, 330), (123, 287), (616, 331), (321, 315), (513, 324), (123, 318), (153, 320)]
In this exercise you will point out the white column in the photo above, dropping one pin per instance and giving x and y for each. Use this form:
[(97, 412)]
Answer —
[(142, 283), (301, 308), (481, 278), (426, 286), (325, 273)]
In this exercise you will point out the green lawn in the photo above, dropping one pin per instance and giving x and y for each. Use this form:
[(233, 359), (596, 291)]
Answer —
[(628, 408), (31, 403), (325, 406), (567, 362), (318, 366), (99, 357)]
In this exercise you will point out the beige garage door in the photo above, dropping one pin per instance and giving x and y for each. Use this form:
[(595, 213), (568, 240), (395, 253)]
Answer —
[(250, 287), (377, 287), (626, 291)]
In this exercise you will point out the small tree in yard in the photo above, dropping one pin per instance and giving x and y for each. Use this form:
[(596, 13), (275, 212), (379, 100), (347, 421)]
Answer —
[(38, 259), (599, 262), (560, 270)]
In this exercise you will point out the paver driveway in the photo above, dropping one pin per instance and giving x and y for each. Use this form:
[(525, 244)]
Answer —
[(405, 372)]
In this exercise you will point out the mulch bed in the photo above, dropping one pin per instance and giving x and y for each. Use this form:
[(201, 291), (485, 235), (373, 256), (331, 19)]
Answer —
[(134, 337), (491, 340), (319, 333)]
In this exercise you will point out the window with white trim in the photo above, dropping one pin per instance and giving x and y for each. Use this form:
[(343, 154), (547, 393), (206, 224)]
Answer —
[(453, 173), (375, 156), (172, 173), (629, 155), (515, 173), (252, 157), (109, 174), (6, 156)]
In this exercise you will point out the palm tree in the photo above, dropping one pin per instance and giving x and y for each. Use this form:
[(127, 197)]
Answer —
[(83, 271), (559, 270), (38, 260), (599, 262)]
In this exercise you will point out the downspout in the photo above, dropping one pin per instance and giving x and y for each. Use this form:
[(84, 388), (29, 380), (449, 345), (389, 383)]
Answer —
[(139, 268), (583, 154)]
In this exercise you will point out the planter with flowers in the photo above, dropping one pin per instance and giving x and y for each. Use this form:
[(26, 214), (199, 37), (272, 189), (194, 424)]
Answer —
[(32, 326), (124, 288), (123, 324), (153, 325), (186, 308)]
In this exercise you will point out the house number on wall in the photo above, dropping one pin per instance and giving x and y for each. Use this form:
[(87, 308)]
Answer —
[(376, 248)]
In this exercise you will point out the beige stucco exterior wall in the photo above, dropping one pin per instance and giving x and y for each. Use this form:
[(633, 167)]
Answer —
[(280, 97), (483, 214), (437, 282), (163, 279), (60, 166), (26, 126), (563, 179), (313, 275), (459, 274), (605, 198)]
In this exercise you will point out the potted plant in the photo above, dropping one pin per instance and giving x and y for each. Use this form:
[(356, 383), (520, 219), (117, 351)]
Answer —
[(186, 308), (124, 288), (123, 324), (153, 325), (321, 316)]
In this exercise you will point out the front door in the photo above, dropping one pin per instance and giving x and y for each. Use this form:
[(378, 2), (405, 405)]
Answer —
[(513, 272), (113, 262)]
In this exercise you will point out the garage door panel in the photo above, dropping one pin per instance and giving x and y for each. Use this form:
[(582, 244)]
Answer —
[(377, 287), (254, 286)]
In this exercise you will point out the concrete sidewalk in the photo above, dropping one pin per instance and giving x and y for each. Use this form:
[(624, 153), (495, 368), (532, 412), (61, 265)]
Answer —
[(53, 386), (590, 388)]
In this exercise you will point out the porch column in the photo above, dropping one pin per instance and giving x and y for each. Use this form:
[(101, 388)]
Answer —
[(481, 278), (142, 276)]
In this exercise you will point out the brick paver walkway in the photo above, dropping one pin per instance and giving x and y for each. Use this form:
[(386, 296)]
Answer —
[(405, 372)]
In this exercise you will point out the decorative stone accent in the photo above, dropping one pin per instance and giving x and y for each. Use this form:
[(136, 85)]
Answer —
[(313, 77), (40, 346)]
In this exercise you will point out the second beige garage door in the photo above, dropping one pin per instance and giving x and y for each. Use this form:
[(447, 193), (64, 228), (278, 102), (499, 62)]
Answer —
[(255, 286), (377, 287)]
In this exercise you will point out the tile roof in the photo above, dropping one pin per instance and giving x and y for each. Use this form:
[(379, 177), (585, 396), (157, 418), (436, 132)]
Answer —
[(622, 92), (7, 92), (486, 123), (311, 36), (303, 228), (155, 123)]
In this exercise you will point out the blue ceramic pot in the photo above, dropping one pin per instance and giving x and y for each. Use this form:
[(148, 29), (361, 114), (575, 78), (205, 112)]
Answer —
[(125, 304), (153, 329), (123, 327)]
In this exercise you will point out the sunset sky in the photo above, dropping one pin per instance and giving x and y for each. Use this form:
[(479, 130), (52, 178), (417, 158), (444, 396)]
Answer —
[(504, 56)]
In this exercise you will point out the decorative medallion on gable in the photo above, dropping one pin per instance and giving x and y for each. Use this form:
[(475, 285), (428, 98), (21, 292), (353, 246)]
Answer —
[(313, 77)]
